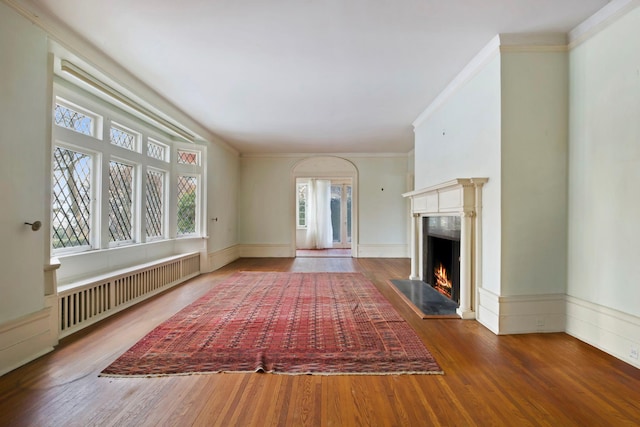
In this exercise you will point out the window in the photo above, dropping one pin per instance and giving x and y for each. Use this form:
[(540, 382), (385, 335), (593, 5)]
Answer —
[(71, 199), (120, 202), (123, 138), (188, 157), (72, 118), (110, 178), (301, 213), (157, 150), (155, 204), (187, 203)]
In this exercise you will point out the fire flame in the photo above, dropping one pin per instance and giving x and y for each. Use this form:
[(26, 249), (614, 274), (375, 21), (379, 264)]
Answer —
[(443, 283)]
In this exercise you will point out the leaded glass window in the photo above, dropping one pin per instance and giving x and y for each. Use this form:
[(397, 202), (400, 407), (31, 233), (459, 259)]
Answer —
[(71, 198), (187, 202), (120, 202), (155, 150), (69, 118), (122, 138), (155, 203), (186, 157)]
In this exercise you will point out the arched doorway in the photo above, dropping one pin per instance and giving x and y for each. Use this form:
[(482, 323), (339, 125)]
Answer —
[(343, 178)]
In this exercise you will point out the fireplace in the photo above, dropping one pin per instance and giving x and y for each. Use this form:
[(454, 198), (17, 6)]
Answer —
[(446, 240), (442, 254)]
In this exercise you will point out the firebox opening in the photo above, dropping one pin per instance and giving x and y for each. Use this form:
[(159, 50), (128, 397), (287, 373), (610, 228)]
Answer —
[(442, 255)]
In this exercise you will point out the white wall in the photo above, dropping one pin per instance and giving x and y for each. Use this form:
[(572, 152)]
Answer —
[(266, 200), (461, 139), (24, 147), (604, 168), (534, 171)]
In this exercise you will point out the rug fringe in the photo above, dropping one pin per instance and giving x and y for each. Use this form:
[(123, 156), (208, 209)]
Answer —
[(326, 374)]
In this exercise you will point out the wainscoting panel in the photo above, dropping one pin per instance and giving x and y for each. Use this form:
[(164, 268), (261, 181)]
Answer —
[(609, 330), (25, 339), (383, 251), (266, 251), (219, 259), (521, 314)]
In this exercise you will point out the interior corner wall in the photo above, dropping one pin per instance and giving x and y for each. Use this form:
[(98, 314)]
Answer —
[(461, 139), (604, 170), (534, 171)]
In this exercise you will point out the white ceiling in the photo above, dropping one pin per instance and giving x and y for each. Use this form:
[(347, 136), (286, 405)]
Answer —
[(302, 76)]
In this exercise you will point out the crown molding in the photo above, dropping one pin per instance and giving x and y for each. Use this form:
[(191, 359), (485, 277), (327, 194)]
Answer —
[(533, 42), (340, 155), (485, 55), (600, 20)]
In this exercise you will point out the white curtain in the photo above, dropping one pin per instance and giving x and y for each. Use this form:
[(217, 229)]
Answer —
[(319, 228)]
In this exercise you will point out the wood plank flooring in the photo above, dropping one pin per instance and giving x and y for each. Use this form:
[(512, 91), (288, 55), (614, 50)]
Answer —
[(517, 380)]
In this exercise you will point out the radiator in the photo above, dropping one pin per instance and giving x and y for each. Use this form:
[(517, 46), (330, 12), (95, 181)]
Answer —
[(86, 302)]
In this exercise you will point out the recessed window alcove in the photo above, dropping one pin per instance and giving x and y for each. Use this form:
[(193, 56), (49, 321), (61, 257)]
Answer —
[(446, 239)]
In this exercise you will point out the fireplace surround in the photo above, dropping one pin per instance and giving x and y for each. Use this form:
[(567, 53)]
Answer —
[(461, 198)]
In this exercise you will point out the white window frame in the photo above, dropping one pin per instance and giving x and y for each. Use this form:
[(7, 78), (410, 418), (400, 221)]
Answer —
[(96, 123), (99, 146), (135, 202), (165, 204), (95, 192)]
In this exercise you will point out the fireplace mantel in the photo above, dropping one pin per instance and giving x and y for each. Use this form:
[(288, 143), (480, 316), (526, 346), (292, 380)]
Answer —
[(461, 197)]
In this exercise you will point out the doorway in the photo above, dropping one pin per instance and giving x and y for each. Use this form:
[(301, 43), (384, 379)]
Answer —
[(339, 176)]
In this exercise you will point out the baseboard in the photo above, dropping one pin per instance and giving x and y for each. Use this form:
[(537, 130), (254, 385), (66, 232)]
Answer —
[(265, 251), (488, 310), (219, 259), (521, 314), (383, 251), (609, 330), (25, 339)]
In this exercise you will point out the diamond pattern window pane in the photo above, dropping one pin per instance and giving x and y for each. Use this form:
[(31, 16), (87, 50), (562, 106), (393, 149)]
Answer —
[(71, 199), (187, 186), (187, 157), (156, 151), (120, 202), (74, 120), (123, 138), (155, 197)]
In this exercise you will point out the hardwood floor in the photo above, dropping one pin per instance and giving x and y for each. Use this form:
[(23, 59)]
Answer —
[(517, 380)]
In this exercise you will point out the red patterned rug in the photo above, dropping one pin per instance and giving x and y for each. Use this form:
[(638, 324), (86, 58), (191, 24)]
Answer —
[(286, 323)]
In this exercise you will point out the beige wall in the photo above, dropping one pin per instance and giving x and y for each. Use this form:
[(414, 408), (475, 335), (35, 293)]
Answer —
[(534, 172)]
